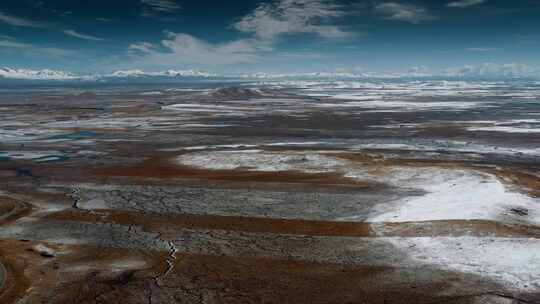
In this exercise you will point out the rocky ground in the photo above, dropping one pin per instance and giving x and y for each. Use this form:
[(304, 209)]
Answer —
[(274, 194)]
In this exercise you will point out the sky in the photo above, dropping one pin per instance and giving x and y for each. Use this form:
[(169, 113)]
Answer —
[(272, 36)]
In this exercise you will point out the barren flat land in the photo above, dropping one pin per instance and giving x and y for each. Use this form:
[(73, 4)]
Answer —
[(276, 192)]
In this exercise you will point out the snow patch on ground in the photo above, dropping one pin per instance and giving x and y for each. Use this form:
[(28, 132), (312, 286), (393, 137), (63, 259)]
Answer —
[(151, 93), (400, 104), (38, 156), (454, 194), (506, 129), (26, 134), (508, 126), (257, 160), (245, 146), (450, 193), (94, 204), (447, 146), (513, 262)]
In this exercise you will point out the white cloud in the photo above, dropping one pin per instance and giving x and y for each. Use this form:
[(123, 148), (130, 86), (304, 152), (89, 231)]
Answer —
[(33, 49), (403, 12), (154, 7), (264, 24), (143, 47), (13, 44), (481, 49), (268, 21), (181, 48), (18, 21), (465, 3), (82, 36)]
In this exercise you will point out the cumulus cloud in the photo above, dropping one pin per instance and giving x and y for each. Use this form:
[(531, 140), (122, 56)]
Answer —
[(18, 21), (403, 12), (155, 7), (264, 25), (465, 3), (181, 48), (75, 34), (268, 21)]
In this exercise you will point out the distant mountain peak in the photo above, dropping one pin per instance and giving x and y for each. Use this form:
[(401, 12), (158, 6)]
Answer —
[(166, 73), (481, 71), (45, 74)]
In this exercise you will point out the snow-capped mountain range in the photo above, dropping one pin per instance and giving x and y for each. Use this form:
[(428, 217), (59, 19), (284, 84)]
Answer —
[(36, 74), (56, 75), (332, 75), (482, 71), (167, 73)]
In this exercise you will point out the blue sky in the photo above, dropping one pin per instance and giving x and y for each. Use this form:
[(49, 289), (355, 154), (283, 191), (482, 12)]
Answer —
[(279, 36)]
